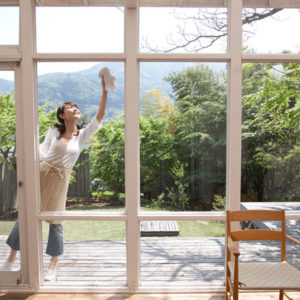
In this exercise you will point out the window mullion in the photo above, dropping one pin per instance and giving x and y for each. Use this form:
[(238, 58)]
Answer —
[(132, 153), (30, 235), (234, 105), (234, 111)]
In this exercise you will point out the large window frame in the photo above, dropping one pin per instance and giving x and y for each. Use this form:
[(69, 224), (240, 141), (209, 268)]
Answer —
[(27, 117), (11, 63)]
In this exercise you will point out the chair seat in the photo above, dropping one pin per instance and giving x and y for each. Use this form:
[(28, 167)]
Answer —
[(278, 275)]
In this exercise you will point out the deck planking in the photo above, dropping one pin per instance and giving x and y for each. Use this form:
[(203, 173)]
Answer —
[(164, 296), (164, 260), (159, 228)]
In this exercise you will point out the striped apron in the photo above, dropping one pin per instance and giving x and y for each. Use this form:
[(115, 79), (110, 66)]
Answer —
[(54, 184)]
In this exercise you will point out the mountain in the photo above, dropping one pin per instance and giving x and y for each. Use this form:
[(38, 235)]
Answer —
[(83, 87), (6, 86)]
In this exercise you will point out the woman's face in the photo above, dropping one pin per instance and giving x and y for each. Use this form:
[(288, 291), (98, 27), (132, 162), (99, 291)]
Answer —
[(71, 112)]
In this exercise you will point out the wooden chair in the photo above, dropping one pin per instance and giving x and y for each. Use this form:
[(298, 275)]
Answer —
[(280, 276)]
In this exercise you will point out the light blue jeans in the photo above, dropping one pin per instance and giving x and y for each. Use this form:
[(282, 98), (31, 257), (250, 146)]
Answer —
[(55, 244)]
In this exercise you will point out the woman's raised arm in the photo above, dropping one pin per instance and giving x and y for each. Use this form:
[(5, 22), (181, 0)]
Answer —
[(103, 101)]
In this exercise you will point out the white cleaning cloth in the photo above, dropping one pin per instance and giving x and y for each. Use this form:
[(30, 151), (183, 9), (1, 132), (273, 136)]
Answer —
[(108, 79)]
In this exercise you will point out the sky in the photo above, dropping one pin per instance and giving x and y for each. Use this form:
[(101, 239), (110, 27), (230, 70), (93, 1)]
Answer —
[(91, 29)]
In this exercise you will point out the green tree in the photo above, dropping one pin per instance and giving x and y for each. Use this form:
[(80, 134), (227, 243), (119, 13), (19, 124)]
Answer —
[(253, 174), (46, 120), (8, 127), (7, 130), (157, 155), (156, 105), (176, 195), (271, 118), (200, 131), (107, 156)]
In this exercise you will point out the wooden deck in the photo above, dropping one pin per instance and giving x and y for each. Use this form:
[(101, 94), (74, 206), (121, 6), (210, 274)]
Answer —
[(173, 260), (164, 296), (292, 226), (159, 228)]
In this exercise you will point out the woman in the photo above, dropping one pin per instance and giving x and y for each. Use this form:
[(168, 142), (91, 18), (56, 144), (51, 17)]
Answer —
[(58, 153)]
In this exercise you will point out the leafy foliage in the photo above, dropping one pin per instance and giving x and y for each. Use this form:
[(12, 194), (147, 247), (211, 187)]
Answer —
[(7, 129), (271, 130), (200, 100), (107, 156), (157, 155)]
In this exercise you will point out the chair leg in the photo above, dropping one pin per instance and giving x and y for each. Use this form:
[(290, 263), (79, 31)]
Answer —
[(235, 291), (281, 295), (227, 290)]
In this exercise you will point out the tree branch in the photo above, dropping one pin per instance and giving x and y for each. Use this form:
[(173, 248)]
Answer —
[(210, 26)]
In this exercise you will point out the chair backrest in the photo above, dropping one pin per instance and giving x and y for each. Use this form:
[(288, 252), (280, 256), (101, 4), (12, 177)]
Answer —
[(257, 234)]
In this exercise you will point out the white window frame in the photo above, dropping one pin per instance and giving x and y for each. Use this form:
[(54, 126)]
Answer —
[(10, 62), (27, 124)]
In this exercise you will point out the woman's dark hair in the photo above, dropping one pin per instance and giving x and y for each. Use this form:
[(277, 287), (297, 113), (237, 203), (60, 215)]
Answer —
[(61, 125)]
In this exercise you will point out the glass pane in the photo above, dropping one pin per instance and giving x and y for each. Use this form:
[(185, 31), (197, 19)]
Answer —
[(80, 29), (9, 25), (270, 133), (183, 30), (270, 147), (8, 176), (94, 254), (191, 254), (270, 251), (97, 179), (272, 31), (6, 226), (183, 136)]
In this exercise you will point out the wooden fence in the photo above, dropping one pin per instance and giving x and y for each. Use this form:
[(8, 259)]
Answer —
[(81, 187), (8, 185)]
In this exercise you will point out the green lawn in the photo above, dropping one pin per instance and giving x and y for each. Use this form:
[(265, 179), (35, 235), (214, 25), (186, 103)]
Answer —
[(6, 227), (80, 230), (201, 228), (116, 230)]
